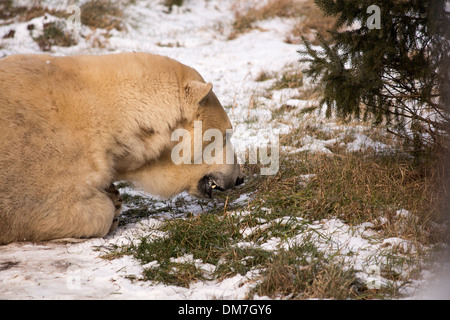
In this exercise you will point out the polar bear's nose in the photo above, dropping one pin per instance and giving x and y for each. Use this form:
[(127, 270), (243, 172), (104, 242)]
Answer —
[(239, 181)]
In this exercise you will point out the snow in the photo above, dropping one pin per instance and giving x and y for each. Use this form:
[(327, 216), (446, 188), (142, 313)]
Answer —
[(362, 142), (195, 34), (315, 145)]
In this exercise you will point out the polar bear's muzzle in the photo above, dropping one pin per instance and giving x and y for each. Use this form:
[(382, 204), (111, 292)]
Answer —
[(217, 181)]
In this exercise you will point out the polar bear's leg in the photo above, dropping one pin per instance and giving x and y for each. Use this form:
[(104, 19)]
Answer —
[(88, 217), (96, 216)]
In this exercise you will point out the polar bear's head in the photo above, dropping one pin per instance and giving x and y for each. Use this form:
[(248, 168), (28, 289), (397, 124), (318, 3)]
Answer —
[(199, 156), (203, 145)]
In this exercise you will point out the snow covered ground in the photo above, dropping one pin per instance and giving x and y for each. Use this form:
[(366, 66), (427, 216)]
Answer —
[(195, 34)]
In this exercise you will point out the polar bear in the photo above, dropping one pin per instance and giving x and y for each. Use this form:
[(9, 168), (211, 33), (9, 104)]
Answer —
[(70, 126)]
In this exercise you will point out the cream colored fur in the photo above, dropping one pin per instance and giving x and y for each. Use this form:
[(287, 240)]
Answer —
[(69, 126)]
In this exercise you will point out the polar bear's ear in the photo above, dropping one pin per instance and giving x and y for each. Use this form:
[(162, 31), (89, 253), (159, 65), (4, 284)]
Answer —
[(196, 91)]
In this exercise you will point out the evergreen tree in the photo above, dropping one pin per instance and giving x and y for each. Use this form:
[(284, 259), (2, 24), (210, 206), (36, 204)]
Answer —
[(388, 60)]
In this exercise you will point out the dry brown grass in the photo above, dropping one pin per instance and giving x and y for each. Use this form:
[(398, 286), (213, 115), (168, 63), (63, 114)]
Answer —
[(246, 13), (310, 18), (292, 275), (54, 35), (356, 188), (103, 14), (312, 23), (361, 187), (290, 78), (11, 11)]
